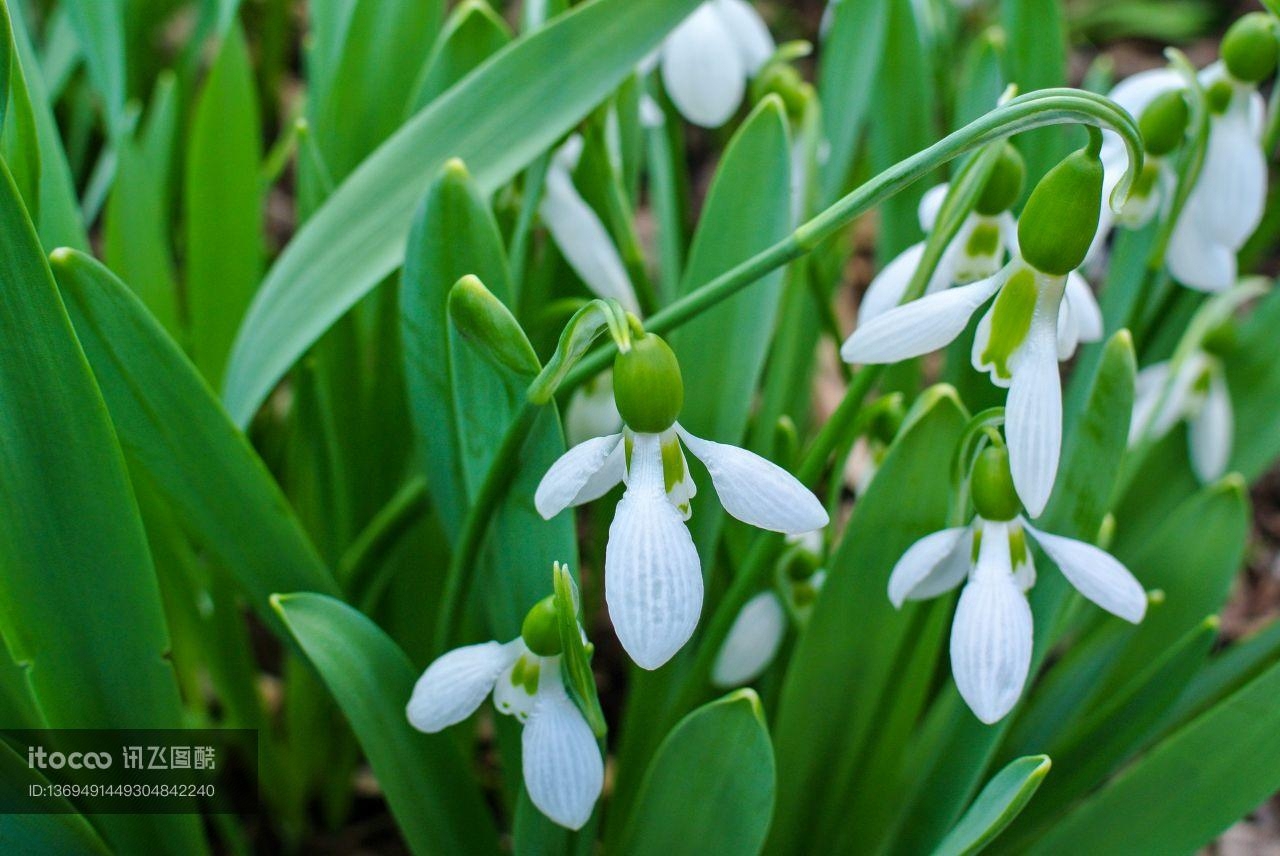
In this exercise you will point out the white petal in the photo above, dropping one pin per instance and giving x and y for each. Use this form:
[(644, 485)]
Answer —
[(681, 492), (703, 69), (564, 483), (584, 242), (1230, 193), (931, 204), (890, 284), (514, 697), (1084, 308), (935, 564), (1196, 260), (454, 685), (1033, 415), (752, 642), (755, 490), (563, 770), (653, 580), (991, 634), (920, 326), (749, 31), (592, 411), (1212, 430), (1147, 389), (1096, 574)]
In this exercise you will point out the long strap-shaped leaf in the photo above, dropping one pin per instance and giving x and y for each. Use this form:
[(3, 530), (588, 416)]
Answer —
[(172, 428), (79, 605), (497, 119)]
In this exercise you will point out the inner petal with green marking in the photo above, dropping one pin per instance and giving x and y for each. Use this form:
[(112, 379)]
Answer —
[(1010, 321)]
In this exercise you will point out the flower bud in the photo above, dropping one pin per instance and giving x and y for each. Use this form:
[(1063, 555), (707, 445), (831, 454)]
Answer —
[(1061, 217), (1249, 48), (1164, 123), (782, 79), (991, 486), (647, 385), (541, 628), (1004, 185), (485, 321)]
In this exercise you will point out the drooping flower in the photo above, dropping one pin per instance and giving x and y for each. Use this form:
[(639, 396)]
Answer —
[(991, 633), (707, 60), (653, 576), (1196, 393), (976, 252), (578, 232), (563, 768), (1042, 310)]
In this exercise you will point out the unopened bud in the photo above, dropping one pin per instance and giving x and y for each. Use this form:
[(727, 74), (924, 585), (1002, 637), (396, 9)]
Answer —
[(1060, 219), (647, 386), (487, 323), (1249, 48)]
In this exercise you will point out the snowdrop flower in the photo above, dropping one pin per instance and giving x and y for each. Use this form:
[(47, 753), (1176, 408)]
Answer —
[(708, 59), (592, 411), (582, 238), (563, 769), (991, 633), (1042, 310), (757, 632), (1226, 203), (976, 252), (653, 577), (1195, 393)]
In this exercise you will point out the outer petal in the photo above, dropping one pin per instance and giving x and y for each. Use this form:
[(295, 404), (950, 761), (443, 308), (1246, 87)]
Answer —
[(755, 490), (890, 284), (749, 31), (1034, 415), (1229, 196), (1146, 397), (564, 483), (1096, 574), (1086, 315), (563, 770), (752, 642), (583, 240), (703, 70), (931, 204), (653, 580), (592, 411), (991, 634), (1196, 260), (920, 326), (1212, 431), (935, 564), (454, 685)]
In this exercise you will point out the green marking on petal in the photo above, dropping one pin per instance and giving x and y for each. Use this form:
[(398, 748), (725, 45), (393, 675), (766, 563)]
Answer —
[(673, 471), (976, 547), (1018, 546), (1010, 321), (531, 673), (984, 241)]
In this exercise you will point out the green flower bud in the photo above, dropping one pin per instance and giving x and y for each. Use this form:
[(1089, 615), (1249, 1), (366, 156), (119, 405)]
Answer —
[(484, 320), (541, 629), (781, 79), (1249, 48), (991, 486), (1164, 123), (1061, 217), (1004, 185), (647, 386)]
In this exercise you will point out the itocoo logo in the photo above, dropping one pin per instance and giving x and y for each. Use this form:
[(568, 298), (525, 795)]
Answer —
[(38, 757)]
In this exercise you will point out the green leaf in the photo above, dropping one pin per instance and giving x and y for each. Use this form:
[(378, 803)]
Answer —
[(137, 222), (747, 209), (851, 54), (362, 92), (1188, 788), (100, 26), (59, 220), (472, 33), (712, 776), (426, 782), (982, 79), (498, 119), (1037, 59), (829, 710), (996, 807), (1253, 376), (73, 550), (20, 141), (223, 206), (173, 430), (63, 832)]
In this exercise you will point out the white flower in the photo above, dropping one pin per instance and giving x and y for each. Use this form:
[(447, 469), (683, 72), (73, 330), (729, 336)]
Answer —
[(653, 577), (976, 252), (1226, 203), (991, 634), (752, 642), (582, 238), (1035, 321), (1197, 394), (563, 769), (708, 59)]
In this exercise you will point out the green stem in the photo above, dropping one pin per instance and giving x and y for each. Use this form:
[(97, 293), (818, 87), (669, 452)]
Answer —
[(462, 565)]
